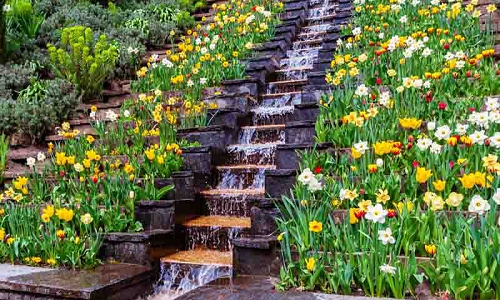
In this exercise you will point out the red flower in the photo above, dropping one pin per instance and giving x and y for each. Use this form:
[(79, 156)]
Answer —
[(446, 46), (409, 146), (373, 96), (442, 105), (95, 179), (254, 8), (472, 109), (391, 213), (411, 139), (317, 170), (62, 173), (396, 151), (452, 164), (428, 97), (359, 214), (415, 164), (361, 191), (498, 72), (487, 142), (468, 74), (379, 81)]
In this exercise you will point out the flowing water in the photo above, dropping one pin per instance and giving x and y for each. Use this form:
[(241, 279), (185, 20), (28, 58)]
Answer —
[(242, 179)]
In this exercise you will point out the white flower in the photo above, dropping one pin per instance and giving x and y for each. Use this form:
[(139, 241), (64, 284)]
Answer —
[(92, 115), (361, 146), (431, 125), (385, 268), (212, 46), (30, 162), (403, 19), (131, 194), (362, 90), (379, 162), (78, 167), (376, 213), (6, 8), (435, 2), (154, 57), (492, 103), (495, 140), (496, 196), (400, 89), (385, 98), (408, 53), (386, 236), (424, 143), (131, 50), (356, 31), (494, 116), (306, 176), (427, 84), (203, 80), (206, 39), (197, 41), (348, 45), (449, 56), (460, 64), (436, 148), (314, 185), (203, 50), (266, 13), (415, 2), (478, 137), (249, 19), (41, 156), (339, 42), (381, 35), (478, 205), (426, 52), (461, 129), (167, 63), (111, 115), (190, 83), (126, 113), (443, 132)]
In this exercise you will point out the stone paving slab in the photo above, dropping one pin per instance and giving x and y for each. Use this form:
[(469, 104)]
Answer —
[(255, 288), (111, 281)]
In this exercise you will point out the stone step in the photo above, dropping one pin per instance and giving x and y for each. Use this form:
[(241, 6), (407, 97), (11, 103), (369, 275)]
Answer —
[(287, 86), (214, 232), (265, 115), (230, 205), (242, 176), (21, 154), (261, 134), (260, 154)]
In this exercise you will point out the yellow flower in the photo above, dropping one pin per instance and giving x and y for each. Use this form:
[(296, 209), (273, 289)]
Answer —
[(2, 234), (310, 264), (355, 153), (225, 64), (36, 260), (391, 72), (280, 237), (10, 241), (65, 214), (363, 205), (463, 259), (410, 123), (150, 154), (90, 139), (61, 234), (423, 175), (491, 8), (91, 155), (439, 185), (401, 206), (352, 215), (431, 249), (86, 163), (382, 196), (315, 226), (468, 181), (454, 199), (45, 218), (51, 262), (77, 240)]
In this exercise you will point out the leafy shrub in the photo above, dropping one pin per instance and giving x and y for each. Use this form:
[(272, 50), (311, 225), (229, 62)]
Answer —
[(7, 119), (23, 19), (14, 78), (83, 62), (44, 104)]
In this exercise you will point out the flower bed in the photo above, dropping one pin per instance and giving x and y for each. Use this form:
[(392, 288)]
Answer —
[(413, 99)]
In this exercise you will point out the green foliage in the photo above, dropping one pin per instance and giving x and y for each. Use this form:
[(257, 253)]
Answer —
[(22, 19), (44, 104), (4, 150), (83, 62), (14, 78)]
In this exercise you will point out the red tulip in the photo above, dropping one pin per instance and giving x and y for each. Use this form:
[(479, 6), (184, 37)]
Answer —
[(415, 164), (378, 81), (360, 214), (361, 191), (317, 170), (411, 139), (62, 173), (409, 146), (468, 74), (391, 213), (442, 105), (452, 164), (472, 109), (428, 97), (446, 46), (95, 179), (487, 142)]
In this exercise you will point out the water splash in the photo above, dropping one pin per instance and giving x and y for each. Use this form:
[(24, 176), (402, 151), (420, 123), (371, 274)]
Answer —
[(229, 205), (211, 237), (174, 282), (272, 115), (260, 154)]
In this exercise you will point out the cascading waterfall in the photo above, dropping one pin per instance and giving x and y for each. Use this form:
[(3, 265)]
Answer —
[(175, 282), (253, 153)]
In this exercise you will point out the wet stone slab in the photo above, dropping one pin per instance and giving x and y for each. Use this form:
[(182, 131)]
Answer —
[(255, 288), (107, 282)]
